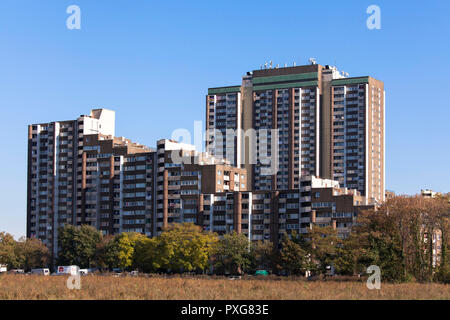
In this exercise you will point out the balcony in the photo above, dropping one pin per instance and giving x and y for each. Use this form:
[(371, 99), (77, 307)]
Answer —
[(305, 209)]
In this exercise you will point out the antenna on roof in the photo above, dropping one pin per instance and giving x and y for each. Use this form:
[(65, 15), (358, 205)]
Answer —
[(294, 64), (270, 64), (285, 65), (265, 65), (312, 61)]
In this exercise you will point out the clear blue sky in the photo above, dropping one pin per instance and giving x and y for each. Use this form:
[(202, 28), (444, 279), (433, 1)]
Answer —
[(152, 61)]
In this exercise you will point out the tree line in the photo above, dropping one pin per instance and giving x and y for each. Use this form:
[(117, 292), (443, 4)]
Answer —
[(399, 237), (23, 254)]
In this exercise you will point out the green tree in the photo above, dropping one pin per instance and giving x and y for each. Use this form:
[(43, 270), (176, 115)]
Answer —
[(261, 255), (385, 237), (78, 245), (144, 252), (292, 257), (8, 254), (119, 251), (322, 246), (32, 253), (23, 254), (100, 257), (232, 254), (346, 261), (123, 251), (182, 247)]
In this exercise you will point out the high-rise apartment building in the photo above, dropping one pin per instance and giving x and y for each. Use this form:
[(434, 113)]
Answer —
[(183, 176), (117, 179), (224, 114), (312, 120), (357, 135), (270, 102), (79, 173)]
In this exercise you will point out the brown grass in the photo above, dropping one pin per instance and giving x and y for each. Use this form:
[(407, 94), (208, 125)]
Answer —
[(27, 287)]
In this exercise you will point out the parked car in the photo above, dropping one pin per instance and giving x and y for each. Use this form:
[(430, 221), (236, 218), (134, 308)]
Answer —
[(16, 271), (261, 273), (3, 268), (42, 271)]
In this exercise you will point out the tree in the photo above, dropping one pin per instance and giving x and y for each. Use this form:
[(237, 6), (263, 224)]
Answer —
[(442, 223), (293, 258), (322, 245), (78, 245), (346, 261), (32, 253), (377, 241), (67, 254), (261, 255), (183, 247), (400, 238), (144, 252), (232, 254), (100, 257), (7, 251), (23, 254), (119, 251)]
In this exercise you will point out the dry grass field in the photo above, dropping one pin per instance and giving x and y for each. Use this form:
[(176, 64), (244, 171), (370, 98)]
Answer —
[(27, 287)]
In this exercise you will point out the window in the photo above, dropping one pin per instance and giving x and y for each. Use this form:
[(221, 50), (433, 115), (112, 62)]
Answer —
[(323, 205)]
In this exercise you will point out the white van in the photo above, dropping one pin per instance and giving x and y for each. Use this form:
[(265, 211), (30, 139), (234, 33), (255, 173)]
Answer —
[(84, 272), (42, 272), (70, 270)]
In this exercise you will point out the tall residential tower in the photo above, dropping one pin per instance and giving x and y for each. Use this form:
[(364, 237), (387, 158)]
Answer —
[(323, 123), (79, 173)]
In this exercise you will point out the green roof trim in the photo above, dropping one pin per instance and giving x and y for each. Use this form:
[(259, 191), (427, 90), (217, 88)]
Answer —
[(233, 89), (341, 82), (284, 78), (287, 85)]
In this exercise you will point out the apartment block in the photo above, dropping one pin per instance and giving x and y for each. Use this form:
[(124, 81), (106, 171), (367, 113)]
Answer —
[(79, 173), (357, 138), (335, 206), (184, 175), (224, 114), (117, 178), (313, 119), (268, 215)]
